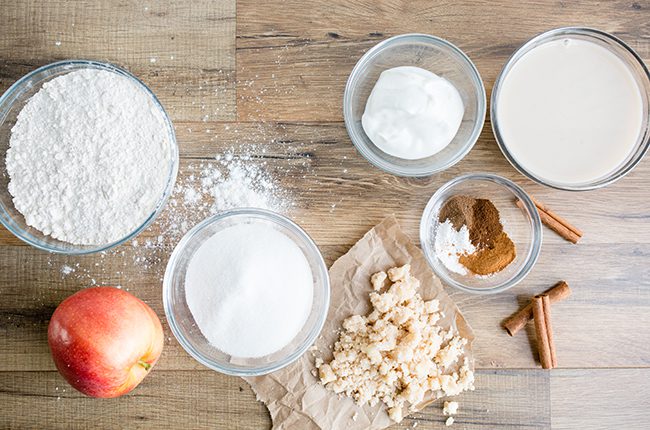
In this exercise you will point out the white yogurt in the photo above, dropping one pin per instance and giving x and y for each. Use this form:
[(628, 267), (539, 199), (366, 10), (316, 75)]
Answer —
[(570, 111), (412, 113)]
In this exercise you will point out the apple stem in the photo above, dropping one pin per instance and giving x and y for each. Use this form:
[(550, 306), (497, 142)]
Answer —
[(144, 364)]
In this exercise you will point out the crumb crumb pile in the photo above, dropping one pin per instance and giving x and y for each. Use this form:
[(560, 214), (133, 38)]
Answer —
[(397, 353)]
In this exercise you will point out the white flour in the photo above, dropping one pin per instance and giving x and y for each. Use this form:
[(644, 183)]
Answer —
[(89, 157), (451, 244), (229, 184), (226, 183), (249, 288), (238, 180)]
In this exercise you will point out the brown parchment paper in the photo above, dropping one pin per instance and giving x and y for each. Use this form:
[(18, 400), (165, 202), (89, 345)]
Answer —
[(293, 395)]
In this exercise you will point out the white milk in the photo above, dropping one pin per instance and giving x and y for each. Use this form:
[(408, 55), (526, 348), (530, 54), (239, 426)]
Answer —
[(570, 111)]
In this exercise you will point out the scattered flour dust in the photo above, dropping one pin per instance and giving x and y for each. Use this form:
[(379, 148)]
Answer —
[(228, 182), (89, 157), (203, 189), (66, 270)]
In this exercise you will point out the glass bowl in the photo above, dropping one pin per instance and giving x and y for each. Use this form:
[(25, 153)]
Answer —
[(636, 67), (430, 53), (11, 103), (180, 317), (523, 225)]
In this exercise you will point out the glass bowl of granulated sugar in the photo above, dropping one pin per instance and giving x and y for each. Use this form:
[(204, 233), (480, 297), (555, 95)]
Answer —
[(88, 157), (246, 292), (481, 233)]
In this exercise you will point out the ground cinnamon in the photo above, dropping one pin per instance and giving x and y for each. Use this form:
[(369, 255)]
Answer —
[(486, 224), (494, 249), (491, 259)]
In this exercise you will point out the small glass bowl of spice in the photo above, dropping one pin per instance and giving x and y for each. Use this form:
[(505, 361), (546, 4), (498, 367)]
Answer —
[(475, 235)]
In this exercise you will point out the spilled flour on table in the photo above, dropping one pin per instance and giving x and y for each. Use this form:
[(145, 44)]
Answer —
[(236, 177), (232, 180), (227, 183)]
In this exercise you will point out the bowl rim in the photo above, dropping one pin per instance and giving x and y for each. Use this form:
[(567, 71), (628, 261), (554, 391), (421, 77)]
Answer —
[(16, 89), (515, 56), (168, 288), (533, 251), (381, 163)]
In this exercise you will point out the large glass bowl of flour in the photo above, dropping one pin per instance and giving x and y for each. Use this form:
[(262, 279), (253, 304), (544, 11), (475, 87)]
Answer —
[(16, 98), (246, 292)]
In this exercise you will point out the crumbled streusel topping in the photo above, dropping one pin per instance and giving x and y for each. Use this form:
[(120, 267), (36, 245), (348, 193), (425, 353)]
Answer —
[(397, 353)]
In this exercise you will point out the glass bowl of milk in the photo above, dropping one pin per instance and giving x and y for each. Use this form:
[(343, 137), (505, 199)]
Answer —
[(570, 109), (414, 105)]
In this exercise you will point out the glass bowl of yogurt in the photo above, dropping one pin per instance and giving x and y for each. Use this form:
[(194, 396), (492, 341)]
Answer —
[(570, 109), (414, 105), (246, 292), (450, 249)]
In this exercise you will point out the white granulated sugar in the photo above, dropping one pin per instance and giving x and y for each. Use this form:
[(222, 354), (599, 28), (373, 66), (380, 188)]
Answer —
[(249, 288), (450, 244), (89, 157)]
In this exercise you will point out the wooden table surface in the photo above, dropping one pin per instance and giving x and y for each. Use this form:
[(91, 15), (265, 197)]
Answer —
[(272, 73)]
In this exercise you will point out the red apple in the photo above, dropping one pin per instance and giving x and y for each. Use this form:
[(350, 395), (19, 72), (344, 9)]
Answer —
[(104, 341)]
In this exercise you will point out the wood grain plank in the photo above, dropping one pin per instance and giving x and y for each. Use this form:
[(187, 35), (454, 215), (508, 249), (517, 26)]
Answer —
[(320, 168), (503, 399), (296, 69), (591, 400), (608, 308), (165, 400), (7, 238), (512, 399), (184, 51)]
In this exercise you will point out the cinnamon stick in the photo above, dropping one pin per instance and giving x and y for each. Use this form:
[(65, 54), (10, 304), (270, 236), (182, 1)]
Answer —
[(543, 344), (549, 329), (517, 321), (552, 214), (555, 222)]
